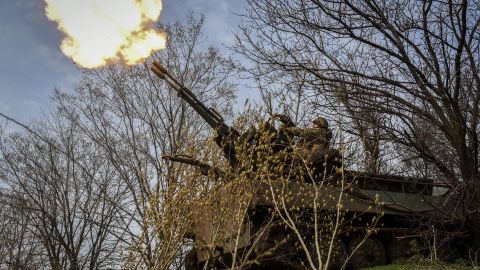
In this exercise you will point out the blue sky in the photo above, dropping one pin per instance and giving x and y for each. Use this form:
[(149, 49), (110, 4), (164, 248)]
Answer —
[(32, 65)]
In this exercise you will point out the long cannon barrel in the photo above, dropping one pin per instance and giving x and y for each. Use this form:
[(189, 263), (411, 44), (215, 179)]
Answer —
[(227, 135), (186, 160), (204, 168), (210, 115)]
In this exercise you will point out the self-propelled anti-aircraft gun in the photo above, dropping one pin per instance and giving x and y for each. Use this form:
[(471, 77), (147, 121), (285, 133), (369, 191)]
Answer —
[(401, 208)]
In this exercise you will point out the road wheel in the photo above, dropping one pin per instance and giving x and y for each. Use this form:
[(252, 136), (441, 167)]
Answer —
[(447, 252), (337, 258), (277, 251), (367, 254), (339, 255), (400, 249)]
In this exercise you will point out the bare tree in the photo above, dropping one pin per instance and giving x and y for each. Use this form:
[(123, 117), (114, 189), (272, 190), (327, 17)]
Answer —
[(19, 248), (133, 119), (62, 193), (415, 64)]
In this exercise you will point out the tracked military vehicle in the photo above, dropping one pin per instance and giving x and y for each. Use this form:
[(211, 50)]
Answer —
[(273, 216)]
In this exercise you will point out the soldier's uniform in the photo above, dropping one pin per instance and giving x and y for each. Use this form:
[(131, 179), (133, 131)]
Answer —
[(314, 144)]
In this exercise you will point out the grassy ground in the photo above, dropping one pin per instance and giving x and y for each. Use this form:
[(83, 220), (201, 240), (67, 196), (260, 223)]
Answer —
[(425, 266)]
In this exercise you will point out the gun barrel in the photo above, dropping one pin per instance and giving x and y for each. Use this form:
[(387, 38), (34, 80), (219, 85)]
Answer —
[(210, 115), (186, 160), (226, 136), (204, 168), (186, 94), (165, 71)]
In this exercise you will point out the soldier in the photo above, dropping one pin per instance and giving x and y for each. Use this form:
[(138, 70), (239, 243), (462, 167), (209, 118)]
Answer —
[(319, 140), (314, 145)]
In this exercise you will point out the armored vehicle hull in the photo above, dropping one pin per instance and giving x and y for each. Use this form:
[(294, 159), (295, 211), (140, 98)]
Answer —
[(286, 205), (383, 219)]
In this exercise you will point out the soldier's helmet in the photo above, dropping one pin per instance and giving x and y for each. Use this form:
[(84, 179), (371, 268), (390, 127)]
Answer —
[(320, 122)]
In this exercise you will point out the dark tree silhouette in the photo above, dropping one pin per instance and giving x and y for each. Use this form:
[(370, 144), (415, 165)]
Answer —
[(413, 64)]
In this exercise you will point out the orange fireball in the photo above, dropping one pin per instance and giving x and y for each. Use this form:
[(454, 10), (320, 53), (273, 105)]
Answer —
[(99, 32)]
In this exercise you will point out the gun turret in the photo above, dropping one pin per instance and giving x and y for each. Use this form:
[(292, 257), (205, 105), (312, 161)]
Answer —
[(226, 135)]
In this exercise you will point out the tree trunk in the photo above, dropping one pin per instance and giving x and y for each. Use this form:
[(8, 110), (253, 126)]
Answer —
[(473, 217), (473, 223)]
